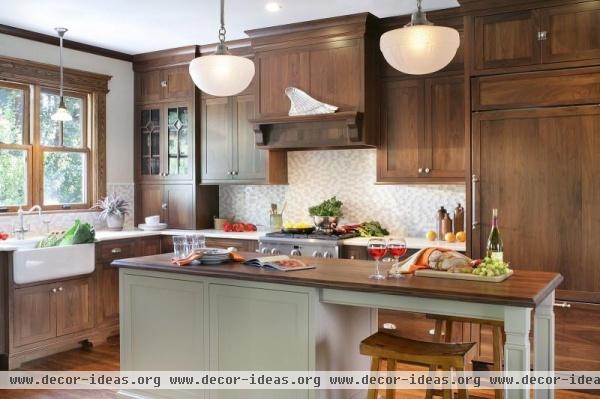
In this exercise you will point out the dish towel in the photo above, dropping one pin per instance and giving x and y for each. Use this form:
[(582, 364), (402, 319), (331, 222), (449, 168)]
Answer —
[(234, 256), (432, 258)]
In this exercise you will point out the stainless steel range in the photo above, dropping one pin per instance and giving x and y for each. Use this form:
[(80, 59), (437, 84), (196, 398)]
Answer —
[(317, 245)]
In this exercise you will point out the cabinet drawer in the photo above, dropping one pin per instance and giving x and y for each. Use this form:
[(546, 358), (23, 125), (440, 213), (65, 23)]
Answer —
[(111, 250), (149, 246), (524, 90), (241, 245)]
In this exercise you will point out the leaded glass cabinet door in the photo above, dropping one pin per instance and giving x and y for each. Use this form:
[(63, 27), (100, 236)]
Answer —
[(179, 142), (150, 143)]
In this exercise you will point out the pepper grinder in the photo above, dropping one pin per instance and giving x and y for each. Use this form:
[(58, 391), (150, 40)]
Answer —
[(439, 219), (459, 219)]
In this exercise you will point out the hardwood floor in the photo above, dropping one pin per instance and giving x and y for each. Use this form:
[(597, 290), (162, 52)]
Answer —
[(106, 358)]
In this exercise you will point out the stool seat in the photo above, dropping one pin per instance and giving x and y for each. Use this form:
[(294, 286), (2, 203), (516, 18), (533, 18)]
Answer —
[(390, 346)]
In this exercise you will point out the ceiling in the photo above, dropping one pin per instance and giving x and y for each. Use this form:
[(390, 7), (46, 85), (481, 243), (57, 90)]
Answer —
[(138, 26)]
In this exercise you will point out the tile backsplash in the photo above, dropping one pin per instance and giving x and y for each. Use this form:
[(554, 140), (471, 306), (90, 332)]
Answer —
[(62, 221), (350, 175)]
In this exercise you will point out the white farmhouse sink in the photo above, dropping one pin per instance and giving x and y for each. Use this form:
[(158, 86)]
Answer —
[(17, 245), (40, 264)]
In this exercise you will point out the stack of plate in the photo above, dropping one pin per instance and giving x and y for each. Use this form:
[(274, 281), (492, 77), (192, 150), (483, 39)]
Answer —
[(214, 256), (152, 227)]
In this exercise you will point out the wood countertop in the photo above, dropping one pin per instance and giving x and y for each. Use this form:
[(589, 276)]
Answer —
[(523, 289)]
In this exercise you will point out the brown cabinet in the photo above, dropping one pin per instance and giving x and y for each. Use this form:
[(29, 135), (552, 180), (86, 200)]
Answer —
[(354, 252), (562, 34), (107, 297), (241, 245), (173, 202), (74, 306), (423, 131), (159, 84), (229, 152)]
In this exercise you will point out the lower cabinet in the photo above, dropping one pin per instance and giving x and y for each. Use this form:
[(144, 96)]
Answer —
[(75, 306), (107, 304), (174, 203)]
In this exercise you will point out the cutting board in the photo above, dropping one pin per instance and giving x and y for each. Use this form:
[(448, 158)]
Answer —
[(462, 276)]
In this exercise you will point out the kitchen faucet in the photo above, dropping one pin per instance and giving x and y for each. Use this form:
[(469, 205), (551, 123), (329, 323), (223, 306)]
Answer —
[(21, 230)]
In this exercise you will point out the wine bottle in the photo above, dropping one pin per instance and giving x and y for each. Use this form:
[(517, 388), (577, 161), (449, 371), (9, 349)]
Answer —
[(495, 249)]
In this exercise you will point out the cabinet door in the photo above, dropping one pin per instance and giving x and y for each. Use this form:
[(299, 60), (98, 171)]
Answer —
[(540, 168), (276, 71), (74, 306), (443, 152), (402, 131), (149, 246), (216, 139), (148, 86), (34, 314), (179, 142), (179, 200), (506, 40), (241, 245), (149, 142), (572, 32), (177, 83), (250, 161), (150, 202), (107, 296)]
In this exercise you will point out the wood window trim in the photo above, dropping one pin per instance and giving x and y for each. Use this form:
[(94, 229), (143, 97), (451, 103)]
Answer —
[(25, 73)]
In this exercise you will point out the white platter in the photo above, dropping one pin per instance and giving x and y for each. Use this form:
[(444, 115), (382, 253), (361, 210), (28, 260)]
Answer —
[(152, 227), (462, 276)]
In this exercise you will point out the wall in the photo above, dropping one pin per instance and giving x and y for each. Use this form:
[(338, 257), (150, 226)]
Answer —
[(350, 175), (119, 113)]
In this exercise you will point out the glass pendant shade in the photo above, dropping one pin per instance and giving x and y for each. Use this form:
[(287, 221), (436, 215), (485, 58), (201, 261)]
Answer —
[(419, 49), (61, 113), (222, 75)]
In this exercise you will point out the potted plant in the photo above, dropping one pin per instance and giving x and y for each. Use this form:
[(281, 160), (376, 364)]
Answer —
[(113, 211)]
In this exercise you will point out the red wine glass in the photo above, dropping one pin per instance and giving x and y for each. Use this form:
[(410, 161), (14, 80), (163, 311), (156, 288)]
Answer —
[(377, 248), (397, 248)]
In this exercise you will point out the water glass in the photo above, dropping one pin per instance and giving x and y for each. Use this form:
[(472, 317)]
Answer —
[(181, 246), (196, 241)]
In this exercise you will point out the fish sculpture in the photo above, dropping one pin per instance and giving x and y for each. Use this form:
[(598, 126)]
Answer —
[(303, 104)]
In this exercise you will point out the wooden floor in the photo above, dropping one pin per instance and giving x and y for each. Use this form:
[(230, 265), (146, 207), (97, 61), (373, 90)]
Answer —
[(106, 358)]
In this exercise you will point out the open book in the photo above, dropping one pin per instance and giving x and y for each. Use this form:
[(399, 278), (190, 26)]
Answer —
[(281, 262)]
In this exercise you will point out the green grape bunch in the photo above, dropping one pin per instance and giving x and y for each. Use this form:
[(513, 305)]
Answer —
[(491, 267)]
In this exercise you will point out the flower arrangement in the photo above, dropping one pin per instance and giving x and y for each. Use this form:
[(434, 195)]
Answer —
[(112, 205)]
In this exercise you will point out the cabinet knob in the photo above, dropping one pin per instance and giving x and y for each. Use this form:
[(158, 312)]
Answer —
[(163, 83), (235, 172), (164, 206), (60, 289), (420, 170), (54, 290), (352, 257), (542, 35), (427, 170), (115, 251)]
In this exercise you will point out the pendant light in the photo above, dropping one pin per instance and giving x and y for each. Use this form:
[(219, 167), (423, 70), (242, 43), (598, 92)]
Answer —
[(61, 113), (222, 74), (419, 47)]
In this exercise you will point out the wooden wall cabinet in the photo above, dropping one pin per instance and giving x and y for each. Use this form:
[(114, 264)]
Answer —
[(229, 151), (173, 202), (163, 84), (423, 131), (550, 36)]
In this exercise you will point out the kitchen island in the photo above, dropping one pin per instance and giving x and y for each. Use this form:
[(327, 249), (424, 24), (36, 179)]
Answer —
[(237, 317)]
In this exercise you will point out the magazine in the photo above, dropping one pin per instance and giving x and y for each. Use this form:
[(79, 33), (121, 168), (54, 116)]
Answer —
[(281, 262)]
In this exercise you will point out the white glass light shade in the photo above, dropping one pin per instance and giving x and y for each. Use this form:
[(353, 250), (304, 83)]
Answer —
[(222, 75), (419, 49), (62, 115)]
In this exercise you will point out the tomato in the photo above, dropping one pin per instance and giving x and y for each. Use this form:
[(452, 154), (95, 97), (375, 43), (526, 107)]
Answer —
[(227, 227), (3, 236), (249, 227)]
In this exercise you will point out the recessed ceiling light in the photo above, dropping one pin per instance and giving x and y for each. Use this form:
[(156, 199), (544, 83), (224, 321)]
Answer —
[(272, 6)]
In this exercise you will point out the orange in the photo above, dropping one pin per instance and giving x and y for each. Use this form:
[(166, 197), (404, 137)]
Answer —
[(450, 237), (431, 235), (461, 236)]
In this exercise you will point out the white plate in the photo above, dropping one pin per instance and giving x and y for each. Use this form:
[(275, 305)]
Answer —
[(214, 252), (152, 227)]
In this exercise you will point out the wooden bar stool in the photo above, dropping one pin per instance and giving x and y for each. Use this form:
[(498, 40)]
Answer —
[(396, 349), (444, 327)]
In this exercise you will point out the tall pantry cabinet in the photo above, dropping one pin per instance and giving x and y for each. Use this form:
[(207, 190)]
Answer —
[(167, 148)]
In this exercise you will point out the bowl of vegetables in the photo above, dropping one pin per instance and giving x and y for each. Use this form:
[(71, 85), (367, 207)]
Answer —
[(326, 214)]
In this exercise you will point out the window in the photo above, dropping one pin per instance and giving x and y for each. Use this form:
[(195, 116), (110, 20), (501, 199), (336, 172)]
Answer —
[(49, 163)]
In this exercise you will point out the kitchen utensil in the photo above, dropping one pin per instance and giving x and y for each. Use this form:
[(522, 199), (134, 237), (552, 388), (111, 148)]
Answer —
[(273, 209), (301, 230), (462, 276), (276, 221), (325, 223)]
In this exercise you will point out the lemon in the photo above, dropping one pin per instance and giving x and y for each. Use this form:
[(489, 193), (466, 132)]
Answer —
[(431, 235), (450, 237), (461, 236)]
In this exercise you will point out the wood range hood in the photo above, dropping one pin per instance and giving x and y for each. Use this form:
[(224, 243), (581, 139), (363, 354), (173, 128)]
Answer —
[(334, 60)]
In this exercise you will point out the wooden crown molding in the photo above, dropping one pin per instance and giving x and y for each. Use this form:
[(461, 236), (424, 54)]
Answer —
[(53, 40), (30, 72), (165, 58)]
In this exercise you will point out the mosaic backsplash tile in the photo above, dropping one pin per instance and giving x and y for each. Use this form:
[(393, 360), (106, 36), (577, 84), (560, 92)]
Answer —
[(350, 175), (62, 221)]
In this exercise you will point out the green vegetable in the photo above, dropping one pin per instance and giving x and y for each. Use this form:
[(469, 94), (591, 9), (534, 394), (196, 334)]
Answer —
[(330, 207), (79, 233), (52, 240), (372, 229)]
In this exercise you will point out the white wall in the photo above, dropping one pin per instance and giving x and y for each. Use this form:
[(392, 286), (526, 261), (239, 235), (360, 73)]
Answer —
[(119, 101)]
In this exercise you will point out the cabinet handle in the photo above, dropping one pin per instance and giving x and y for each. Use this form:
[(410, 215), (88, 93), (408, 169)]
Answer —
[(565, 305), (235, 173), (474, 181), (427, 170), (420, 170), (115, 251), (60, 289), (163, 83), (542, 35), (54, 290), (164, 206)]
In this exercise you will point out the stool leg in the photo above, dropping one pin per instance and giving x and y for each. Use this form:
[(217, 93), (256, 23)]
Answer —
[(391, 366), (497, 350), (374, 367), (437, 337)]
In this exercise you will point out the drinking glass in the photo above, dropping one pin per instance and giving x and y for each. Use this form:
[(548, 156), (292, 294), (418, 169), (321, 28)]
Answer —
[(397, 248), (377, 248), (196, 241), (181, 246)]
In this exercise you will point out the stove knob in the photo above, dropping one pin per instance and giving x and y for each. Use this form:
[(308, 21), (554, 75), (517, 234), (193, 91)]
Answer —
[(327, 255), (275, 251), (295, 252), (264, 250), (317, 254)]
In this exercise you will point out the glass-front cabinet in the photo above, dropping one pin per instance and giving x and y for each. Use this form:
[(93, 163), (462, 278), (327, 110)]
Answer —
[(165, 142)]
